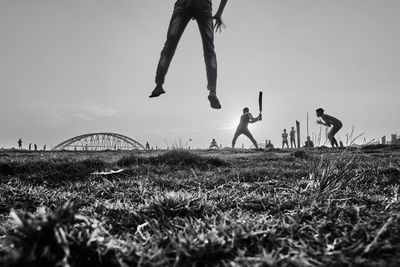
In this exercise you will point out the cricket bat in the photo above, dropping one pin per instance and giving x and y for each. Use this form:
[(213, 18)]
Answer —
[(260, 95)]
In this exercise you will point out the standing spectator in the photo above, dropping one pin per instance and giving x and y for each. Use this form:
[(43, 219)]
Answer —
[(20, 143), (285, 139), (30, 146), (292, 138), (35, 147), (147, 146)]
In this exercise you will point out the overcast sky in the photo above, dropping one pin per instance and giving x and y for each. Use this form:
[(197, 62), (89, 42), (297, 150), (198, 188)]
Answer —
[(70, 67)]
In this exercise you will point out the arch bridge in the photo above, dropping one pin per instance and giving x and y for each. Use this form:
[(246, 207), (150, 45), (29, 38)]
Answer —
[(98, 142)]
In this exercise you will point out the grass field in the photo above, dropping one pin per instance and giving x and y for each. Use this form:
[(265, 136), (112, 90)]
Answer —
[(200, 208)]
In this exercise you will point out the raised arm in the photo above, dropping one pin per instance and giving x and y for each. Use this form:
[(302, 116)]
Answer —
[(253, 120), (222, 5), (218, 16)]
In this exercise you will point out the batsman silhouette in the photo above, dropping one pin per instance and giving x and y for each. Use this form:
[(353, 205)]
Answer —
[(184, 11), (242, 128)]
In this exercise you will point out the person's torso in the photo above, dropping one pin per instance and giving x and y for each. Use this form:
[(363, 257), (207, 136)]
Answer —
[(244, 120), (292, 134), (331, 121), (284, 136)]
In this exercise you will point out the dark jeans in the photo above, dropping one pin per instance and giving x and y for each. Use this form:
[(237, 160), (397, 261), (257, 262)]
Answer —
[(184, 11)]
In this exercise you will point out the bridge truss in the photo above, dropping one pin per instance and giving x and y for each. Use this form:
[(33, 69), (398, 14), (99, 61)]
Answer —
[(98, 142)]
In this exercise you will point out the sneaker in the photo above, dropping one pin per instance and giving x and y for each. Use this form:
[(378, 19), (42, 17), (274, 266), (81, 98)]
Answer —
[(157, 91), (214, 102)]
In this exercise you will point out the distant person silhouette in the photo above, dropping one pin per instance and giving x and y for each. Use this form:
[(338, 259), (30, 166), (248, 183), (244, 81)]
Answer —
[(214, 144), (44, 148), (35, 147), (309, 143), (184, 11), (242, 128), (329, 121), (20, 143), (285, 139), (30, 146), (268, 144), (292, 138), (147, 146)]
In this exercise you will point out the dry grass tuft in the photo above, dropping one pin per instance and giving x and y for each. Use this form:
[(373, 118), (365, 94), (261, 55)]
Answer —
[(61, 238), (333, 172)]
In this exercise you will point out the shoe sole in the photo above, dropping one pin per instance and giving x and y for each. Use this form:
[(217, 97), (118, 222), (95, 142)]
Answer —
[(157, 94), (214, 102)]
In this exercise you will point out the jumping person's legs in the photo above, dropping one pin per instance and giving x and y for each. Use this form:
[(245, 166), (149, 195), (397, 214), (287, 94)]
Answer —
[(203, 16), (179, 20), (205, 24)]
